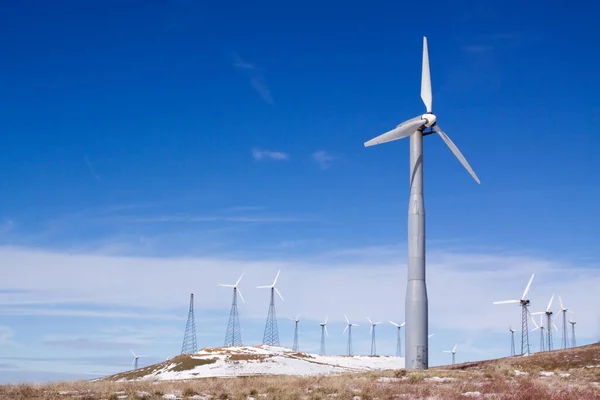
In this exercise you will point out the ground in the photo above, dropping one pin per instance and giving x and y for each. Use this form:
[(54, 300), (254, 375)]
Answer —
[(558, 375)]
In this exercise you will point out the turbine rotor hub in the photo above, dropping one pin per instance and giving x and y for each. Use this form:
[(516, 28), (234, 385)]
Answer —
[(430, 118)]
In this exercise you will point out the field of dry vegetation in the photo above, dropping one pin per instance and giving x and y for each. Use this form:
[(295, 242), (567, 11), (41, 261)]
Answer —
[(559, 375)]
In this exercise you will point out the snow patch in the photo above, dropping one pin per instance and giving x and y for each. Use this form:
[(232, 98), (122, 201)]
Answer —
[(438, 379), (472, 394), (546, 373), (517, 372)]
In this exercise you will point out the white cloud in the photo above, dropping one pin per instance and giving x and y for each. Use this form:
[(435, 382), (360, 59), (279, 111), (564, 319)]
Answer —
[(323, 159), (255, 75), (259, 155)]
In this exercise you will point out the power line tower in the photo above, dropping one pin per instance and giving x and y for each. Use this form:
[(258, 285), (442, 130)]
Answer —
[(189, 345), (233, 335), (271, 335)]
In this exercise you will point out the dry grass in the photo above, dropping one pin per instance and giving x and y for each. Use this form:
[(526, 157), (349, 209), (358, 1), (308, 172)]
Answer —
[(247, 357), (484, 380)]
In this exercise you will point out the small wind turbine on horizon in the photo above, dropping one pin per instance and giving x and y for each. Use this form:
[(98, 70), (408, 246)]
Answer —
[(323, 333), (399, 338), (233, 335), (563, 310), (296, 320), (453, 351), (524, 303), (134, 363), (512, 340), (271, 335), (372, 333), (348, 328), (549, 323), (542, 328), (573, 341), (416, 303)]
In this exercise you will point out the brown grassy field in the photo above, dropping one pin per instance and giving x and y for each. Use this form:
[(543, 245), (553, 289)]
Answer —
[(559, 375)]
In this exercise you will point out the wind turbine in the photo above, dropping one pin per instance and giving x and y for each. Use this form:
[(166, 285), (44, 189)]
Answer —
[(372, 333), (565, 335), (135, 360), (399, 339), (524, 302), (271, 336), (296, 320), (541, 327), (233, 335), (349, 329), (549, 323), (323, 333), (573, 341), (416, 305), (453, 351), (512, 341)]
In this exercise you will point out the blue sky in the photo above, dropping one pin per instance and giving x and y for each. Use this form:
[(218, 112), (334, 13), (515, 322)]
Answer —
[(158, 148)]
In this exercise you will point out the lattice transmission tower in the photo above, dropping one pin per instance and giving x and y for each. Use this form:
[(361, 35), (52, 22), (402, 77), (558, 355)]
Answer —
[(271, 335), (189, 345)]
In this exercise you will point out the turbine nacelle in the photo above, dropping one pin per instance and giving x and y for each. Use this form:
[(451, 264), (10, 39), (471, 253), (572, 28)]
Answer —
[(429, 118)]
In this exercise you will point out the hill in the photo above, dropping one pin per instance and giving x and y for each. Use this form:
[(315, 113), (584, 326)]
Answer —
[(256, 360), (559, 375)]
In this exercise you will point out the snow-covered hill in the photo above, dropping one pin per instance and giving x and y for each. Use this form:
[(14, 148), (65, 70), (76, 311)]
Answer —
[(257, 360)]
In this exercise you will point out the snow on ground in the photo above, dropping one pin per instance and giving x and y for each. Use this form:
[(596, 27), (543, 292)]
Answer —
[(263, 360)]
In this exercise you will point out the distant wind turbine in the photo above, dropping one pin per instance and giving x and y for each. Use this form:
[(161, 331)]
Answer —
[(296, 320), (135, 360), (453, 351), (349, 329), (323, 333), (399, 338), (372, 333)]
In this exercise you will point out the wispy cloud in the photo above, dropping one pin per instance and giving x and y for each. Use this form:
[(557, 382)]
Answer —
[(323, 159), (91, 168), (260, 155), (255, 75)]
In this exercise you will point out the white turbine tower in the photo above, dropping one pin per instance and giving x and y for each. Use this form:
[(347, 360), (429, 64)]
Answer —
[(453, 351), (323, 333), (512, 340), (348, 328), (563, 310), (372, 333), (573, 341), (549, 323), (416, 305), (134, 363), (399, 338), (524, 303)]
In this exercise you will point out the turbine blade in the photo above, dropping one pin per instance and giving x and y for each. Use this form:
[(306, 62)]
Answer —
[(535, 323), (402, 324), (238, 281), (426, 78), (454, 349), (224, 285), (240, 293), (527, 288), (345, 329), (264, 287), (377, 323), (355, 325), (371, 331), (298, 317), (554, 325), (326, 333), (132, 352), (405, 129), (561, 303), (347, 320), (393, 323), (430, 335), (326, 318), (559, 311), (277, 276), (278, 294), (507, 302), (456, 152), (369, 319), (550, 303), (538, 313)]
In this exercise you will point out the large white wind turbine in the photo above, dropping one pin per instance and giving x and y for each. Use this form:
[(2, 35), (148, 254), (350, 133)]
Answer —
[(372, 333), (134, 363), (399, 338), (233, 335), (348, 328), (416, 306), (323, 333), (565, 335), (524, 302), (271, 335), (549, 323), (453, 351)]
